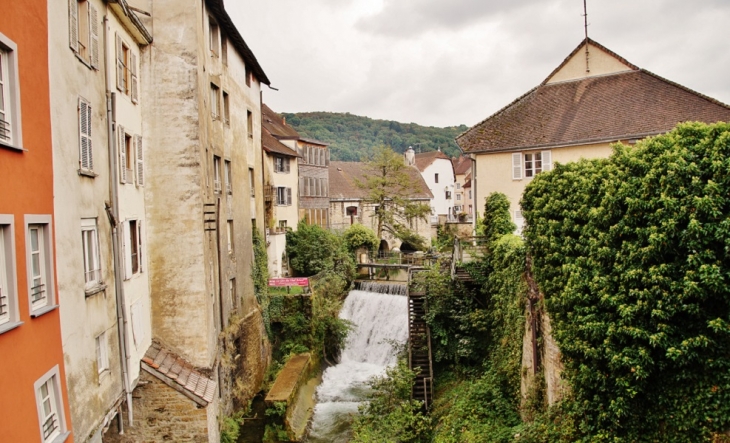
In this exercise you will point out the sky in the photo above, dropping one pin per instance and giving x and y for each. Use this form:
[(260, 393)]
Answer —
[(451, 62)]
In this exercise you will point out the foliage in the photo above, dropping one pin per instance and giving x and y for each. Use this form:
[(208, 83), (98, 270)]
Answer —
[(497, 220), (390, 415), (275, 430), (260, 276), (310, 248), (632, 254), (231, 428), (445, 235), (359, 236), (351, 136), (388, 187)]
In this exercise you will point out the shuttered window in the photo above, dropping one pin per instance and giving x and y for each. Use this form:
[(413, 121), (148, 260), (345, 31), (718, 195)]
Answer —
[(86, 158), (517, 166), (138, 148), (547, 161), (83, 31), (134, 86), (122, 148)]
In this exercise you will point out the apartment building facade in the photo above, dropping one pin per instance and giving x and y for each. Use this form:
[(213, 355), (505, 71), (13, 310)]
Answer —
[(34, 400)]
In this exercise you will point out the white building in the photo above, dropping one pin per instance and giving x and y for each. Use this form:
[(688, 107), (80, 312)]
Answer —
[(438, 173), (99, 176)]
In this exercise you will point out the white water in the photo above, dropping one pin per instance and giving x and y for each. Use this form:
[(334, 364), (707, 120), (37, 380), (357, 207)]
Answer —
[(376, 317)]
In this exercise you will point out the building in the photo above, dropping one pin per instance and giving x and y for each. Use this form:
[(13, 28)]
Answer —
[(438, 173), (463, 202), (281, 199), (314, 157), (591, 100), (201, 107), (348, 205), (34, 400)]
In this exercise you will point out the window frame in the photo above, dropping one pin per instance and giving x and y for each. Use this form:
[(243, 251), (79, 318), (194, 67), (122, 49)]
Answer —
[(52, 381), (251, 182), (91, 256), (90, 34), (102, 354), (86, 151), (217, 185), (226, 109), (8, 276), (215, 99), (214, 37), (249, 123), (11, 90), (229, 236), (228, 172), (45, 252), (525, 162)]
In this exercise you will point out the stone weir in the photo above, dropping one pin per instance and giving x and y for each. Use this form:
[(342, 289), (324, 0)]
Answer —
[(380, 287)]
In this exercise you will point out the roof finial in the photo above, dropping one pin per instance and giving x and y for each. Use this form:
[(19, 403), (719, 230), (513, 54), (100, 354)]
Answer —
[(585, 25)]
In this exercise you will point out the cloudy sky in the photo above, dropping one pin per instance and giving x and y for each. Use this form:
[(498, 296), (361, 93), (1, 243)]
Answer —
[(448, 62)]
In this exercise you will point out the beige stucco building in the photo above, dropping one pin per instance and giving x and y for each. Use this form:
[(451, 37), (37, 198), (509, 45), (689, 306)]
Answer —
[(99, 176), (591, 100)]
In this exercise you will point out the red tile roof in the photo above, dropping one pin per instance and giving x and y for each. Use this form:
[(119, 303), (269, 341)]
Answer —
[(274, 146), (177, 373), (343, 177), (621, 106), (276, 125), (425, 159), (462, 165)]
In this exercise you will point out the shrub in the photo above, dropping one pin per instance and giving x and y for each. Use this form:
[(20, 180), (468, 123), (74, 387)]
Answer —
[(358, 236)]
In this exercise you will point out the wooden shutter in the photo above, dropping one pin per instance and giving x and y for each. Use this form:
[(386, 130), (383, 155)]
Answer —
[(140, 159), (288, 196), (139, 245), (86, 159), (287, 166), (121, 143), (126, 249), (326, 187), (301, 186), (73, 25), (133, 71), (517, 166), (547, 160), (327, 157), (120, 64), (94, 35)]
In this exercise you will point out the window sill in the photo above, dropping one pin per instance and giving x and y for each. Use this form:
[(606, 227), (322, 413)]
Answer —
[(9, 326), (87, 173), (61, 438), (11, 147), (95, 290), (45, 310), (83, 61)]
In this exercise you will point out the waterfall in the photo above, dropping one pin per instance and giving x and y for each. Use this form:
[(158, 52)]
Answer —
[(377, 317), (381, 287)]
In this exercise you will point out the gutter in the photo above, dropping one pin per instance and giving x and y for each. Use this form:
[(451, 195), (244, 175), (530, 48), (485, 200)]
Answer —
[(113, 213), (130, 20)]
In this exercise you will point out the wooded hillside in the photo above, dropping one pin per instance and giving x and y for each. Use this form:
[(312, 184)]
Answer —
[(351, 136)]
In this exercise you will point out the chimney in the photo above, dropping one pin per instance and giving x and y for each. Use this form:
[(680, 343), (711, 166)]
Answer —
[(284, 120)]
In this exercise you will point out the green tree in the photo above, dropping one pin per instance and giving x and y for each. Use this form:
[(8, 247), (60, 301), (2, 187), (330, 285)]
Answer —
[(389, 187), (497, 221), (358, 236), (310, 248)]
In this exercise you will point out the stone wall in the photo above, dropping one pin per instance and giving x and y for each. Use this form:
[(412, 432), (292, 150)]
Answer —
[(161, 414)]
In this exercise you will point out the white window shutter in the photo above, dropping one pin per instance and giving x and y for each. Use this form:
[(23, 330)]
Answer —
[(120, 64), (288, 196), (126, 249), (301, 186), (94, 35), (86, 159), (517, 166), (139, 245), (121, 143), (140, 159), (133, 70), (547, 160), (73, 25), (519, 221)]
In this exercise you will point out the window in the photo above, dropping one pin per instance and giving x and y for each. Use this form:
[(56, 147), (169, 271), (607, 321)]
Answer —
[(50, 409), (519, 222), (214, 34), (249, 123), (39, 264), (248, 75), (283, 196), (281, 164), (8, 288), (226, 109), (448, 195), (10, 134), (140, 159), (229, 231), (216, 173), (282, 224), (229, 177), (90, 244), (232, 291), (251, 183), (469, 194), (86, 159), (531, 163), (128, 158), (83, 33), (458, 196), (224, 50), (436, 178), (132, 236), (102, 354), (458, 185), (127, 81), (214, 105)]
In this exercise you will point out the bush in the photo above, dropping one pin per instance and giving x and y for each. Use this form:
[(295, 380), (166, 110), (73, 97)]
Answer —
[(358, 236), (632, 254), (310, 248)]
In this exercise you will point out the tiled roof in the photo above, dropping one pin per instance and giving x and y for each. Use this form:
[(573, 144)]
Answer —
[(424, 159), (177, 373), (621, 106), (274, 146), (225, 22), (462, 165), (343, 176), (276, 126)]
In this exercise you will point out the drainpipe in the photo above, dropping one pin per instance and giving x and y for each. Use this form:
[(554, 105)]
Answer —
[(113, 213), (474, 189)]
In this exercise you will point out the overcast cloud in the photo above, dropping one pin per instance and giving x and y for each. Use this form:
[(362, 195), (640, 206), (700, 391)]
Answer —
[(448, 62)]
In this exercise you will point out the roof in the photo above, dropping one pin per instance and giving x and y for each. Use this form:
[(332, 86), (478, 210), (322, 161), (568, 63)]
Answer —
[(131, 22), (273, 146), (462, 165), (178, 374), (276, 125), (225, 22), (343, 184), (425, 159), (607, 108)]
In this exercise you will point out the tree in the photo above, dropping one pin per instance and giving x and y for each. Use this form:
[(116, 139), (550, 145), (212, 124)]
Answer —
[(497, 221), (389, 185)]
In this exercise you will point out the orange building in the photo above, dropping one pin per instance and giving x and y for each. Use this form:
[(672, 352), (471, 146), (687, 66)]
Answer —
[(33, 399)]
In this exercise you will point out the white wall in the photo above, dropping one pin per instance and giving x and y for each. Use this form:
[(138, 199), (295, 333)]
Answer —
[(445, 171)]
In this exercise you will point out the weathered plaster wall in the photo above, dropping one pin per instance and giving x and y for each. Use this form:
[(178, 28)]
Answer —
[(599, 62), (445, 170), (288, 213)]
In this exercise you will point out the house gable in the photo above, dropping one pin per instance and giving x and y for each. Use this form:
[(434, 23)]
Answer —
[(600, 61)]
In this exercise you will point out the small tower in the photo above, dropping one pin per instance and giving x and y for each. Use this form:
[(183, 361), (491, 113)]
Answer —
[(410, 156)]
